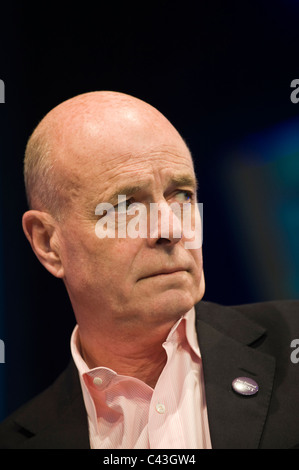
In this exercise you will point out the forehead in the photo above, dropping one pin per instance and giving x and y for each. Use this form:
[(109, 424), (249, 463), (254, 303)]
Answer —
[(148, 169), (148, 161), (126, 149)]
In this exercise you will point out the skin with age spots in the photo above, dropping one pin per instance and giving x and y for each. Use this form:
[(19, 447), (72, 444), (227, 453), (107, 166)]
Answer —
[(126, 293)]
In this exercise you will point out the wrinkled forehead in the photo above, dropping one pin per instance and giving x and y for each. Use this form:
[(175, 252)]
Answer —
[(147, 174)]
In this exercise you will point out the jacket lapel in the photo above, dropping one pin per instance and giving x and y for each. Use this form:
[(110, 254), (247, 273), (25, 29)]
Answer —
[(225, 335)]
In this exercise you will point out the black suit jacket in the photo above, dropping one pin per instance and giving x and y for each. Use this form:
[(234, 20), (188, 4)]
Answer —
[(249, 340)]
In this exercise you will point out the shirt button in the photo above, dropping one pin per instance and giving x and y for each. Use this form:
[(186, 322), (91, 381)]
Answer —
[(160, 408), (97, 381)]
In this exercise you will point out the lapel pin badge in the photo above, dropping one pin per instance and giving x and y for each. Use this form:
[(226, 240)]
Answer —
[(245, 386)]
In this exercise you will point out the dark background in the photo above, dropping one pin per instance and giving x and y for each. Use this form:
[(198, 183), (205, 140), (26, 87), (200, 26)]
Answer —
[(221, 72)]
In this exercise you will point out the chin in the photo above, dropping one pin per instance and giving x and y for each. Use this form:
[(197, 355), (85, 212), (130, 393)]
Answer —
[(173, 304)]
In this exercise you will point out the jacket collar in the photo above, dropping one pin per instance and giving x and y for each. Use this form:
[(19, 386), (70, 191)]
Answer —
[(226, 340)]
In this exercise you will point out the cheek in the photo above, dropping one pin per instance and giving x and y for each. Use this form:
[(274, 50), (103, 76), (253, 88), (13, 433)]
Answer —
[(197, 270), (103, 264), (199, 279), (196, 256)]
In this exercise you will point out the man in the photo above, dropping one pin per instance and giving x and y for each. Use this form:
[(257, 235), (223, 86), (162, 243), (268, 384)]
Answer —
[(152, 365)]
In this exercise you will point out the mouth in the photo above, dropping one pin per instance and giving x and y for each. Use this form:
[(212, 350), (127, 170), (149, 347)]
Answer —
[(165, 272)]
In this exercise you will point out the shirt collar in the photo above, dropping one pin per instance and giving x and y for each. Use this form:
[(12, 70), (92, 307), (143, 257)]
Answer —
[(191, 331)]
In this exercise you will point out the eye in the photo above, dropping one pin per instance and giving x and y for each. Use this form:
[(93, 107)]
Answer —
[(184, 196)]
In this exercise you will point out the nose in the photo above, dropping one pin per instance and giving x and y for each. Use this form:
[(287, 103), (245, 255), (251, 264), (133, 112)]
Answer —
[(165, 224)]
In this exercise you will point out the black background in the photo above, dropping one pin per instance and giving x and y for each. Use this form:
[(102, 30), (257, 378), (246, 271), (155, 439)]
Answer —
[(220, 71)]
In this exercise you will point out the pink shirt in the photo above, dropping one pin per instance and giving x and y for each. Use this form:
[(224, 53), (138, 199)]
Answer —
[(126, 413)]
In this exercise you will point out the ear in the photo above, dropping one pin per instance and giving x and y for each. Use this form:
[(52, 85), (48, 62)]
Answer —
[(41, 230)]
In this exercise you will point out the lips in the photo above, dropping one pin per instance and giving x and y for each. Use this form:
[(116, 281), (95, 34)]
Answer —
[(164, 272)]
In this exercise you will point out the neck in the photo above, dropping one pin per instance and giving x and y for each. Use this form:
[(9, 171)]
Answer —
[(139, 355)]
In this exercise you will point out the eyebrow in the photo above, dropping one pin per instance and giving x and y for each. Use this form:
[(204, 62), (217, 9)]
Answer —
[(175, 181), (184, 180), (127, 190)]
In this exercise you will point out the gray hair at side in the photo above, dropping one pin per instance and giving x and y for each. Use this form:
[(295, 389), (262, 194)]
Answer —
[(42, 185)]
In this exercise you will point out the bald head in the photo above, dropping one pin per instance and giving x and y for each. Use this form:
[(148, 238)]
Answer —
[(94, 127)]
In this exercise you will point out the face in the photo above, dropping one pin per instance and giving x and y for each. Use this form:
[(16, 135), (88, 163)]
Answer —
[(148, 279)]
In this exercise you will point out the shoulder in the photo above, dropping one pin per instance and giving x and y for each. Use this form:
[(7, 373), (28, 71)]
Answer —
[(288, 308), (45, 411), (269, 326), (279, 317), (268, 315)]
